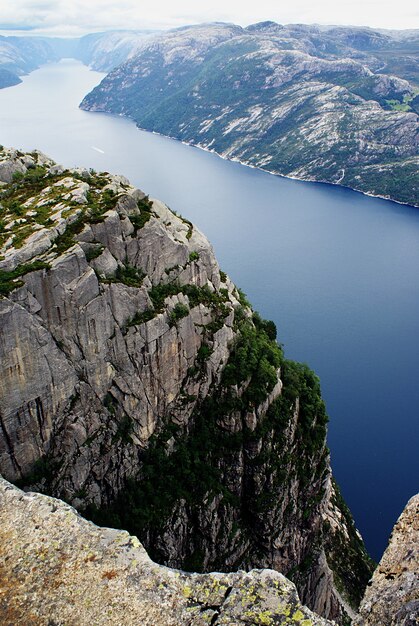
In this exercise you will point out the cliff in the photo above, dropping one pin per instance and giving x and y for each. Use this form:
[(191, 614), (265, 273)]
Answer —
[(57, 567), (137, 384)]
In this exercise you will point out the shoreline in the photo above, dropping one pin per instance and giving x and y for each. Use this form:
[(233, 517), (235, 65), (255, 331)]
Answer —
[(246, 164), (221, 156), (256, 167)]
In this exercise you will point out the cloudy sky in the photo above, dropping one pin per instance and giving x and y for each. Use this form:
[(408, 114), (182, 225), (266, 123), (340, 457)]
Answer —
[(75, 17)]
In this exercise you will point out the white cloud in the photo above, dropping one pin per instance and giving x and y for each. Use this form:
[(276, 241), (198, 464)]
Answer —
[(75, 17)]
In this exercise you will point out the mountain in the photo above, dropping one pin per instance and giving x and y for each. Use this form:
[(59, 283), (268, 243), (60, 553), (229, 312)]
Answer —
[(21, 55), (8, 79), (300, 101), (104, 51), (101, 51), (138, 384)]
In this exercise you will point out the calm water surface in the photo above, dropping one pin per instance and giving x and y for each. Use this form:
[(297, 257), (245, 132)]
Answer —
[(338, 272)]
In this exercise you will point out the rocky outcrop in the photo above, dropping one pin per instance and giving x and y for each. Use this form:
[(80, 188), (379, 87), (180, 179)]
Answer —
[(58, 568), (392, 595), (137, 384)]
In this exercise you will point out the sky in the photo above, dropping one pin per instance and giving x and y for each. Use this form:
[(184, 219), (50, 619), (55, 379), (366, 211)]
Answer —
[(78, 17)]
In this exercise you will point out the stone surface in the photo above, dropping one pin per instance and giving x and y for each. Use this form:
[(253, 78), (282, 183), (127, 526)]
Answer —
[(57, 568), (36, 383), (392, 596)]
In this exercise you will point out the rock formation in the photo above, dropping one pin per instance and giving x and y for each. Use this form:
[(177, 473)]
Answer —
[(137, 384), (57, 568), (392, 596)]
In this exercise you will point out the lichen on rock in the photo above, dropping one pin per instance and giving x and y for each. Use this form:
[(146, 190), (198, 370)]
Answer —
[(56, 567)]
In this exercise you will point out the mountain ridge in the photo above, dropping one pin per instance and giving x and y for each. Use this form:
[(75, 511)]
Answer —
[(281, 103)]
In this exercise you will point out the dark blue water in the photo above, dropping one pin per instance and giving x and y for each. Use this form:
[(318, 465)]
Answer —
[(338, 272)]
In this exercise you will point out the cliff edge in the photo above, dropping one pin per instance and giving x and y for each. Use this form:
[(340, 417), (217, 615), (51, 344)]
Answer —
[(57, 568)]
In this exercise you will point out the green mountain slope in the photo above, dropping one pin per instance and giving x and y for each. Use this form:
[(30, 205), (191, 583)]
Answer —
[(283, 103)]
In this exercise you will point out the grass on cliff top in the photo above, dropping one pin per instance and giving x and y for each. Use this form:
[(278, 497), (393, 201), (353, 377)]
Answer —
[(126, 274), (139, 221), (10, 280), (92, 213), (28, 219)]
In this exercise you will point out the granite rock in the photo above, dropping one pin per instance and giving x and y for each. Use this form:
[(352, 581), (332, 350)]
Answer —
[(116, 339), (57, 568), (392, 595)]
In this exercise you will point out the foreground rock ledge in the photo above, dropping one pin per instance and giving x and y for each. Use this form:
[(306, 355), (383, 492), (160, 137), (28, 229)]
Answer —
[(57, 568)]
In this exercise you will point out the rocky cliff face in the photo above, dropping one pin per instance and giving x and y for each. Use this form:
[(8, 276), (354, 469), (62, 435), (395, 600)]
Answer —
[(137, 383), (392, 596), (298, 101)]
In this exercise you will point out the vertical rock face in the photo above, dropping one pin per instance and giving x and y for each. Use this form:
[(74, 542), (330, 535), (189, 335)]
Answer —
[(138, 384), (392, 596), (36, 383)]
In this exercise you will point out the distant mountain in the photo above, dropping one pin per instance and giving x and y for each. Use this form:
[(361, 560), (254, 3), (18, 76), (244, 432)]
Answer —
[(8, 79), (104, 51), (303, 101), (21, 55), (101, 51), (390, 52)]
